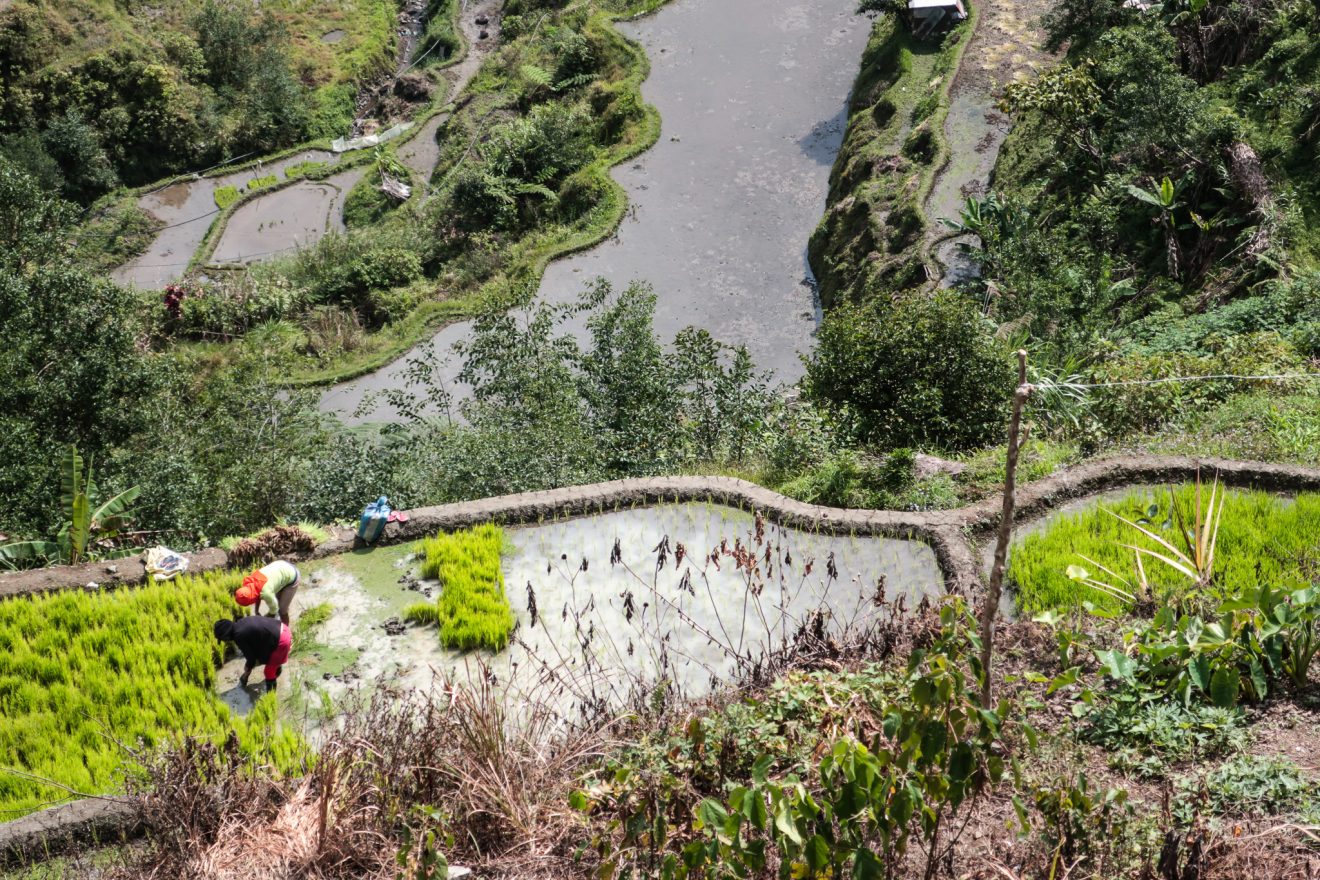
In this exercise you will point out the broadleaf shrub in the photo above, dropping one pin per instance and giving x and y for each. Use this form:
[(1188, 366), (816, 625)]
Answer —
[(923, 371)]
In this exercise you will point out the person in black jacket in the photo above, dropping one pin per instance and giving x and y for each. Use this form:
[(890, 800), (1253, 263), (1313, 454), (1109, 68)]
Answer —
[(261, 639)]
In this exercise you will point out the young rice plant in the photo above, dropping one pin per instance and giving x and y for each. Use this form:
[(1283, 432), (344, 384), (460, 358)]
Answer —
[(472, 611), (81, 674), (1262, 539)]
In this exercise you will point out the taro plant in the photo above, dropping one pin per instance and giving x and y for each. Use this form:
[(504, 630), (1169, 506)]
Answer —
[(1186, 656), (1252, 638), (1291, 626), (89, 525)]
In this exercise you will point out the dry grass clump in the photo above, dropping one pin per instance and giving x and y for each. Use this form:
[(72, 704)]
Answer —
[(276, 543), (397, 767)]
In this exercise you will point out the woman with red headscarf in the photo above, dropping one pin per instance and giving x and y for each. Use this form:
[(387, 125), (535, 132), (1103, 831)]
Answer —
[(275, 585)]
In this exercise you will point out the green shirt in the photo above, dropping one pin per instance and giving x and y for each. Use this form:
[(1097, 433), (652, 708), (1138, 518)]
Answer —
[(279, 574)]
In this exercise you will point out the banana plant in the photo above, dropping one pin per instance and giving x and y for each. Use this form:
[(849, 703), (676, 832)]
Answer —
[(86, 521), (1165, 199)]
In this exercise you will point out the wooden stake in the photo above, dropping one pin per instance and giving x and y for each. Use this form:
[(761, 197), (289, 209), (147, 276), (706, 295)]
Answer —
[(990, 607)]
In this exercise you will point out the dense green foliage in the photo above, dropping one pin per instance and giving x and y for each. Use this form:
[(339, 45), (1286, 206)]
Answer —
[(81, 673), (866, 245), (921, 371), (1262, 540), (1152, 216), (68, 352), (868, 801), (1155, 207), (97, 93), (472, 611)]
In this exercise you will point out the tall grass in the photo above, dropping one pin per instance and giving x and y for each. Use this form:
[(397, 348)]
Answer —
[(82, 676), (1263, 539), (472, 610)]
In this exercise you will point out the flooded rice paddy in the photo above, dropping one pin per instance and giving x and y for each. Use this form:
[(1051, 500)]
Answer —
[(292, 217), (187, 209), (753, 97), (604, 604), (301, 215)]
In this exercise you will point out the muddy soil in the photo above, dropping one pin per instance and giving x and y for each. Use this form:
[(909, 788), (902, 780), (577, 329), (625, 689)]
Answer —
[(752, 96), (187, 209), (421, 152), (599, 626)]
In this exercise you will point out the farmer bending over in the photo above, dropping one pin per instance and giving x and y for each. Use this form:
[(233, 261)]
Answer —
[(275, 585), (262, 640)]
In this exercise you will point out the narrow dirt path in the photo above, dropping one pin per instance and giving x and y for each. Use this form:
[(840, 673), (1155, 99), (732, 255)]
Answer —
[(1006, 45)]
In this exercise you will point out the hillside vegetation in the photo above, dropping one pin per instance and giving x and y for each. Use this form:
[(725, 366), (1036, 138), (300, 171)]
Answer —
[(95, 93)]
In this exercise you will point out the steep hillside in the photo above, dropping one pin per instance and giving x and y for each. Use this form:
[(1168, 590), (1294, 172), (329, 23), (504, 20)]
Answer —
[(94, 93), (1160, 189), (1151, 217)]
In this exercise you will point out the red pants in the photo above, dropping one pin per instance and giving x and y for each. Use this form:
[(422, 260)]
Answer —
[(280, 655)]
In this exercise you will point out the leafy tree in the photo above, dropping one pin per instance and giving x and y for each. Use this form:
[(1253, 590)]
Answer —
[(68, 351), (522, 162), (1079, 23), (76, 148), (250, 467), (27, 150), (231, 41), (923, 371), (632, 393)]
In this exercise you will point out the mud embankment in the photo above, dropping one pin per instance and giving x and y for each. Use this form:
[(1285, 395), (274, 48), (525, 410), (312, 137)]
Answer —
[(1006, 45)]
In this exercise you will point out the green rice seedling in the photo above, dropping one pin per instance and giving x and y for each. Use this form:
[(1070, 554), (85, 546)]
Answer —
[(1262, 540), (81, 674), (226, 196), (472, 610)]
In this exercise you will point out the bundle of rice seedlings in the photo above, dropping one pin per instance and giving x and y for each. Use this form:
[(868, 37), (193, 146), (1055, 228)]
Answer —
[(472, 610)]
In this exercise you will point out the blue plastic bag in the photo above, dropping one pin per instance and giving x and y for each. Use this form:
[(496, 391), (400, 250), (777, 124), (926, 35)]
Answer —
[(374, 517)]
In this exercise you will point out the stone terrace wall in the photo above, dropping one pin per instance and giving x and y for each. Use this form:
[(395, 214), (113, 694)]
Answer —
[(950, 533)]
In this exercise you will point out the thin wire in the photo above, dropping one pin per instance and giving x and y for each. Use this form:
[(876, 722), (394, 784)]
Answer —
[(1171, 379)]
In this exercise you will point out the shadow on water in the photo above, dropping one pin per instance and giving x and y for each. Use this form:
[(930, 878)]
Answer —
[(822, 143), (241, 700)]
